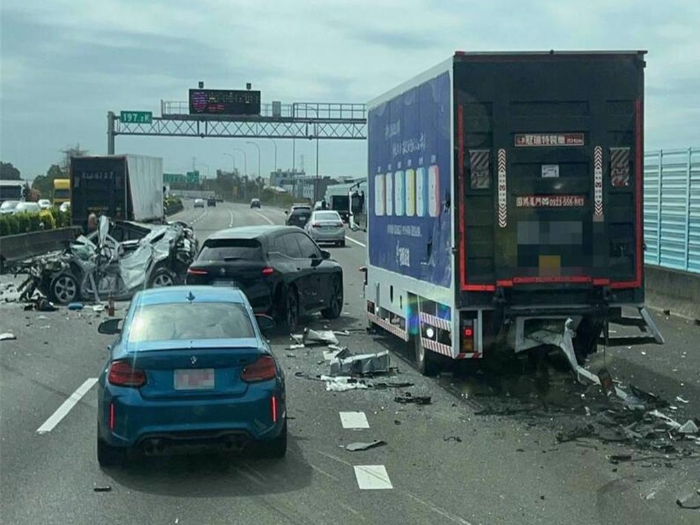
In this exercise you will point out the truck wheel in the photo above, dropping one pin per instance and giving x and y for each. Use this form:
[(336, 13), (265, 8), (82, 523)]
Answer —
[(425, 361), (586, 340), (64, 288)]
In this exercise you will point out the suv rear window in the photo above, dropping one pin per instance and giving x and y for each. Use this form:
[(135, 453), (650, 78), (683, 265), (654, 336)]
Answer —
[(230, 250), (302, 212)]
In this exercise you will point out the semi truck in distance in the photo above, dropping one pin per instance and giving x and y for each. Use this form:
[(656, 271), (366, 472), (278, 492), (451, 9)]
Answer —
[(123, 187), (504, 205)]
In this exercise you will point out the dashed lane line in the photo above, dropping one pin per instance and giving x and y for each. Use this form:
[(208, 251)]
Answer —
[(67, 406), (372, 477), (355, 241), (354, 420), (269, 221)]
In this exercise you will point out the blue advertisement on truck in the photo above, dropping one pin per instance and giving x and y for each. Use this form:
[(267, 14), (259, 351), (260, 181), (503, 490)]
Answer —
[(409, 183)]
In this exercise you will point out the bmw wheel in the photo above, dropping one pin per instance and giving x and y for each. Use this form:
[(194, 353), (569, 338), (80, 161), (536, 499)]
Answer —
[(335, 303)]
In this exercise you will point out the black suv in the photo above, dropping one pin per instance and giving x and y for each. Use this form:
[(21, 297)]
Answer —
[(298, 215), (255, 203), (281, 270), (211, 201)]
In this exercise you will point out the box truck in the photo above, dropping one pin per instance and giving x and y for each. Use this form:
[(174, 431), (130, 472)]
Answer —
[(505, 195)]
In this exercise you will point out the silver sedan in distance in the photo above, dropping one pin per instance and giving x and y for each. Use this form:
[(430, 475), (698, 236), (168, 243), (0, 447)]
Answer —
[(326, 226)]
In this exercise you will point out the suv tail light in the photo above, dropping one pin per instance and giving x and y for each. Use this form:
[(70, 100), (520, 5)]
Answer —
[(268, 271), (121, 373), (262, 370), (194, 271)]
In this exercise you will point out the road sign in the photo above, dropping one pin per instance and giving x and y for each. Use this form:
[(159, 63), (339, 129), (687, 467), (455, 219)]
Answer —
[(224, 102), (193, 177), (136, 117)]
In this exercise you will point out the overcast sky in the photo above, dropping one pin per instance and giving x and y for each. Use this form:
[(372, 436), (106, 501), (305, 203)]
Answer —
[(65, 63)]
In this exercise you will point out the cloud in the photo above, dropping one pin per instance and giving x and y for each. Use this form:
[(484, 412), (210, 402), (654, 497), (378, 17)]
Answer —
[(65, 63)]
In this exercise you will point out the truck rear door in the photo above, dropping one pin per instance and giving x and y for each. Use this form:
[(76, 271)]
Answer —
[(549, 172)]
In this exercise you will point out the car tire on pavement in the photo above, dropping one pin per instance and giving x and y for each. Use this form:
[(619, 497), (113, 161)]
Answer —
[(290, 313), (64, 288), (342, 244), (276, 448), (109, 456), (161, 278), (335, 307)]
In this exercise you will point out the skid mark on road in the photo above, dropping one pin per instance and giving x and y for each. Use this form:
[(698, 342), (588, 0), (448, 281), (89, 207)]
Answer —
[(67, 406)]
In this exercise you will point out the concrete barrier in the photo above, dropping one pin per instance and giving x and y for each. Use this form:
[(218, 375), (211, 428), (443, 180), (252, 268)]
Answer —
[(674, 290), (24, 245)]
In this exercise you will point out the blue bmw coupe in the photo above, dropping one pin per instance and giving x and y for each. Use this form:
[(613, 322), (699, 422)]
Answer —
[(189, 371)]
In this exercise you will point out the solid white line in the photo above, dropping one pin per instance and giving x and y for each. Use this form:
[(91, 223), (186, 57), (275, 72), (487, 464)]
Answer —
[(230, 214), (66, 407), (354, 420), (356, 242), (269, 221), (372, 477)]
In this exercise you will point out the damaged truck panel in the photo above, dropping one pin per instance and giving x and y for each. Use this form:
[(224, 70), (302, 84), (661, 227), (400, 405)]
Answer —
[(505, 201)]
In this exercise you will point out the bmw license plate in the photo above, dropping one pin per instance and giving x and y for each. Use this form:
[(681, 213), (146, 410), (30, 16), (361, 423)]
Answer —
[(200, 379), (224, 282)]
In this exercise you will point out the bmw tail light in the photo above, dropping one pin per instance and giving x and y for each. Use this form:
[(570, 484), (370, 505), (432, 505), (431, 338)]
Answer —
[(121, 373), (263, 369), (268, 271), (274, 408), (194, 271)]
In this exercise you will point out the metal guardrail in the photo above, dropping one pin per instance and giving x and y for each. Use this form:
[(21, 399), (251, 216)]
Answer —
[(672, 209), (24, 245)]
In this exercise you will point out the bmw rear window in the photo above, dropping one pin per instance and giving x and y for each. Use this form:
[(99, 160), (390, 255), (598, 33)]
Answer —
[(302, 212), (179, 321), (230, 250)]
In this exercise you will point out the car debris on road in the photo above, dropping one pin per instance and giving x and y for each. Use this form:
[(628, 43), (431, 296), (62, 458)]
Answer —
[(94, 266)]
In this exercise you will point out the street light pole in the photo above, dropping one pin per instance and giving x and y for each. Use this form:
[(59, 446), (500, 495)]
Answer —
[(245, 171), (233, 161), (259, 169), (275, 145)]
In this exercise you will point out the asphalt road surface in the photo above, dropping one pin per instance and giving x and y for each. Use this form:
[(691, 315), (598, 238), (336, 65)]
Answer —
[(442, 463)]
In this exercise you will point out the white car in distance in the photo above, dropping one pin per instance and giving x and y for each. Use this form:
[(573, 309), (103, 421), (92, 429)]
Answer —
[(326, 226)]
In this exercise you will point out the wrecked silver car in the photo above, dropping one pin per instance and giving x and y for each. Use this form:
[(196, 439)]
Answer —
[(97, 265)]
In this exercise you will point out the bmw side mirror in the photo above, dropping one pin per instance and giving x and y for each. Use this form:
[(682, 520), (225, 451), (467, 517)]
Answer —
[(265, 323), (286, 212), (325, 254), (110, 327)]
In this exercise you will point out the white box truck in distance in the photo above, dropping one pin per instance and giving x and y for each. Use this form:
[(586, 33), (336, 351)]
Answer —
[(505, 205)]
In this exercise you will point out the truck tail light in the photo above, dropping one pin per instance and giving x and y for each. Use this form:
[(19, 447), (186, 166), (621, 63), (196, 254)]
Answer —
[(467, 336), (262, 370)]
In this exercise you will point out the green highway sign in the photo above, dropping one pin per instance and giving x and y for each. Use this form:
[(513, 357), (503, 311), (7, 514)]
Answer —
[(136, 117), (193, 177)]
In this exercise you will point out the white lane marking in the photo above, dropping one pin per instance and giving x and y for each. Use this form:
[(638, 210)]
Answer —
[(230, 214), (269, 221), (443, 513), (66, 407), (356, 242), (354, 420), (372, 477)]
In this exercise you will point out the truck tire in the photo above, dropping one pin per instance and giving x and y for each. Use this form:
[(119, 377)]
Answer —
[(426, 362)]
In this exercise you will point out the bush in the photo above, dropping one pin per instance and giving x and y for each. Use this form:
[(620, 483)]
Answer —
[(23, 222), (47, 219), (32, 222)]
